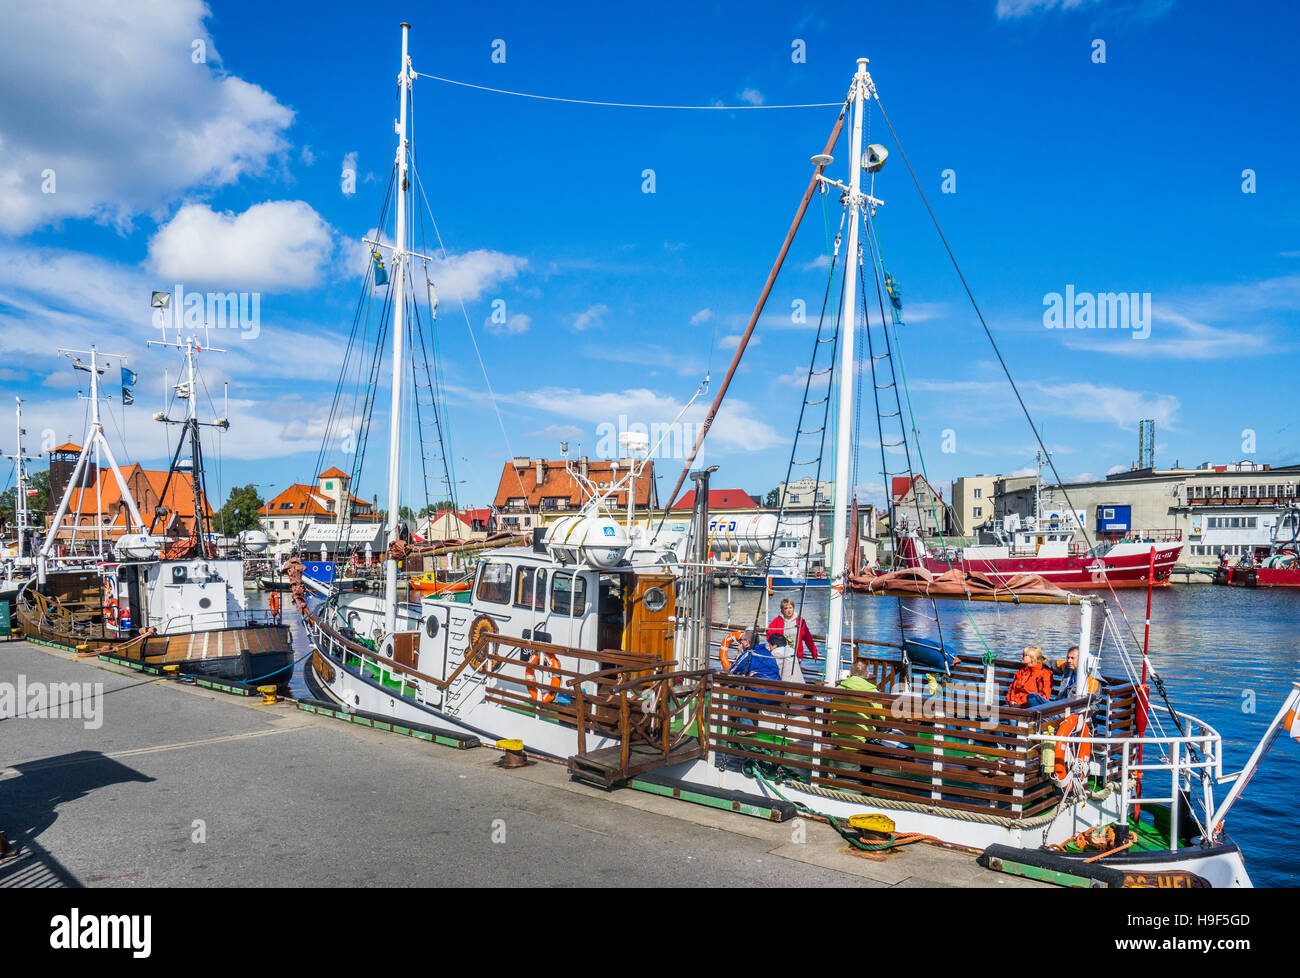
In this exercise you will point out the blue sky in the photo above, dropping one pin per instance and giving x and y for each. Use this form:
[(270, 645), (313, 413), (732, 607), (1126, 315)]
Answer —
[(225, 174)]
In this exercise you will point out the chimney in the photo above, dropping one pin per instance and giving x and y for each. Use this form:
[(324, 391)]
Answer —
[(582, 466), (540, 466)]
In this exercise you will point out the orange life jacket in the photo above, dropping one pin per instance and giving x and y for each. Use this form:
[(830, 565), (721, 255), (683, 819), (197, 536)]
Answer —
[(1029, 679)]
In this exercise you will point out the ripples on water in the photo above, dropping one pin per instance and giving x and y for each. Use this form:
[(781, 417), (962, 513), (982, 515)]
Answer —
[(1215, 648)]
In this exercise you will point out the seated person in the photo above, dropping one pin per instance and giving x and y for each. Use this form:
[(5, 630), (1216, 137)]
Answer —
[(1032, 685), (791, 671), (755, 659), (1067, 668)]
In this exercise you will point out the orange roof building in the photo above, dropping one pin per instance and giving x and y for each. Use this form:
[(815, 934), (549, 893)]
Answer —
[(548, 486), (100, 503), (327, 501)]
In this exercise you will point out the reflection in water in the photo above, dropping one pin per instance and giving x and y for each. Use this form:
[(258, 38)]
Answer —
[(1228, 656)]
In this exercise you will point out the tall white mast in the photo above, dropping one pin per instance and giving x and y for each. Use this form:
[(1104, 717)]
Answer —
[(20, 465), (97, 444), (395, 419), (844, 434)]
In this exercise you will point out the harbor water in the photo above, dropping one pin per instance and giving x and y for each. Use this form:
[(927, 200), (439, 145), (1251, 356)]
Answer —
[(1227, 656)]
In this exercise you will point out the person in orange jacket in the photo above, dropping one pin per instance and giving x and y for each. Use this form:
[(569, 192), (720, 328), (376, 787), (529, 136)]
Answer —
[(793, 628), (1032, 684)]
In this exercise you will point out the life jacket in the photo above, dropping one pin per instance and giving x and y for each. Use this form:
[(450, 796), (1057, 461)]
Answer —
[(1090, 687), (1072, 726), (1029, 679)]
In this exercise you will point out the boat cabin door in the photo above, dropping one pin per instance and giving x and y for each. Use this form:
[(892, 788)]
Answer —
[(650, 604)]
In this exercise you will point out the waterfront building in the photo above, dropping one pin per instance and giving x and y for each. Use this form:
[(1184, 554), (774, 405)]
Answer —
[(286, 517), (972, 503), (536, 492), (97, 507), (916, 504), (1214, 509)]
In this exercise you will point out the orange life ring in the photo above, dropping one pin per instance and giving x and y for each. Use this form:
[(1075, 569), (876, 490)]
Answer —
[(1072, 726), (275, 603), (550, 663), (734, 638)]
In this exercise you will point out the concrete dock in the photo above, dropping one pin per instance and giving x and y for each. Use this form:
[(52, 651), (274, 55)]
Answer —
[(184, 786)]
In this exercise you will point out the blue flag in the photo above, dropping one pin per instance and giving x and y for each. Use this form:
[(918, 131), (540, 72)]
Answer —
[(381, 276), (128, 377), (895, 299)]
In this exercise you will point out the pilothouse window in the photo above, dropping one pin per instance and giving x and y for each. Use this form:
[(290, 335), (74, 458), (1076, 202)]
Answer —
[(494, 582), (568, 594), (525, 595)]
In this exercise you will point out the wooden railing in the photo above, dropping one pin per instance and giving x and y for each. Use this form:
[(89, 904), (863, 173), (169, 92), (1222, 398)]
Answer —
[(643, 707), (886, 745)]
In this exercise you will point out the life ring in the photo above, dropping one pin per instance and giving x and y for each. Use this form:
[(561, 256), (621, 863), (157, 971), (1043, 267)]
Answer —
[(275, 603), (549, 662), (734, 638), (1072, 726), (479, 627)]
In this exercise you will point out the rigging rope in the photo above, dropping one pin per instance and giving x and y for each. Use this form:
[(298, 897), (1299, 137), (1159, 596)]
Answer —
[(619, 105)]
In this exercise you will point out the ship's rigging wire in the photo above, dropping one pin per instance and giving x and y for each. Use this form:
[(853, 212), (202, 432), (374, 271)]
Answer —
[(618, 105), (1159, 684)]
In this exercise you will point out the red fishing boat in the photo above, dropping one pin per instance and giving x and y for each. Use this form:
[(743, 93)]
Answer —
[(1047, 551), (1279, 566)]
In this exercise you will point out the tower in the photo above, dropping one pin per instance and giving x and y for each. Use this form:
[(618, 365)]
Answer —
[(1146, 444)]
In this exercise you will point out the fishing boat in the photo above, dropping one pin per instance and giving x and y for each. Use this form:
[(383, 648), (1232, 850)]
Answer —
[(596, 646), (1045, 545), (151, 597), (1277, 566)]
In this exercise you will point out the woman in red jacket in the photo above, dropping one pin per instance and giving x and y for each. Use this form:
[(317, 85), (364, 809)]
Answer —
[(1032, 684), (793, 628)]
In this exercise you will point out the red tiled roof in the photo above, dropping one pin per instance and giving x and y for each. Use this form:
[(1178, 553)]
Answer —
[(719, 499), (67, 447), (334, 472), (557, 483), (306, 500), (146, 486), (900, 484)]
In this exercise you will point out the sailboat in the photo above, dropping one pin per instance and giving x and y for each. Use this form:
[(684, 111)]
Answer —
[(596, 646), (145, 594)]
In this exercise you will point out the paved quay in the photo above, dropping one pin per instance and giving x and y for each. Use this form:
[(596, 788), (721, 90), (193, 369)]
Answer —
[(182, 786)]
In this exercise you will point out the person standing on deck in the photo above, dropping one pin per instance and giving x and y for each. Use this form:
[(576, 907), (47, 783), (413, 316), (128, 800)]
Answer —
[(793, 629)]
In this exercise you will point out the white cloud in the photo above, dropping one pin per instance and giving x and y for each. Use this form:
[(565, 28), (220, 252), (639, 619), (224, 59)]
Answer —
[(732, 341), (308, 156), (274, 247), (1013, 9), (558, 432), (590, 317), (752, 96), (468, 275), (703, 316), (126, 119), (737, 426), (514, 325), (348, 175)]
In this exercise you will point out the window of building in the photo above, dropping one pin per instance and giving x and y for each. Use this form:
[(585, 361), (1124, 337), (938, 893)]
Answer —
[(329, 484), (979, 493), (494, 582), (1252, 522), (568, 594), (977, 512)]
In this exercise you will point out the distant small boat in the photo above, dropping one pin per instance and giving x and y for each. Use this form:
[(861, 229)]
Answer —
[(428, 583)]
